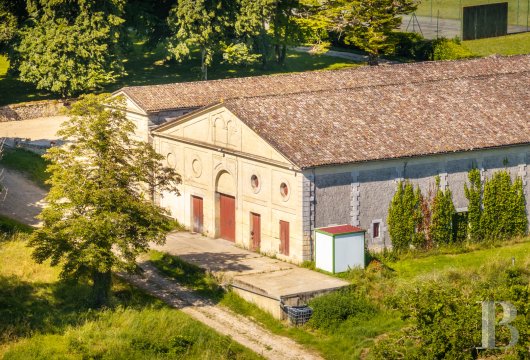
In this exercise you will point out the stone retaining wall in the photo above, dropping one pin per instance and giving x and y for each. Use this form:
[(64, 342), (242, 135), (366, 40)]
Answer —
[(32, 110)]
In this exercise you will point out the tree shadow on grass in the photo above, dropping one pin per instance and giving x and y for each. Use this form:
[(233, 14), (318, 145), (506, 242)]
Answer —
[(27, 308)]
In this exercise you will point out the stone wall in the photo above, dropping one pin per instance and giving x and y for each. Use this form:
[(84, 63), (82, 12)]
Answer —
[(32, 110), (373, 184)]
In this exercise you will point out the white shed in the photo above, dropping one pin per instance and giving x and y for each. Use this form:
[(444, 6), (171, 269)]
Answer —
[(338, 248)]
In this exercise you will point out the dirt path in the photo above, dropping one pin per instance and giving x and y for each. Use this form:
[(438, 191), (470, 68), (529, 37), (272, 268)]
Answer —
[(241, 329), (24, 200), (21, 199)]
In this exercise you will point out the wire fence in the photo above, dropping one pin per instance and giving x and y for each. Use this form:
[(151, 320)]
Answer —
[(443, 18)]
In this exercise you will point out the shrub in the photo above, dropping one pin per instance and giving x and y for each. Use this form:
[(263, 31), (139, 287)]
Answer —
[(504, 213), (411, 45), (446, 49), (442, 216), (445, 323), (404, 216), (473, 193), (331, 309)]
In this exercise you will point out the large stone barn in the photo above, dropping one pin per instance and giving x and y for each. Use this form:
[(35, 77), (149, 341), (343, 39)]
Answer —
[(266, 160)]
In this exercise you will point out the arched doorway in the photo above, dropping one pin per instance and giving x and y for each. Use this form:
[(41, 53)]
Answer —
[(225, 194)]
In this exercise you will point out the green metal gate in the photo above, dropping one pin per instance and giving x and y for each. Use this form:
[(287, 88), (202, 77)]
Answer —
[(484, 21)]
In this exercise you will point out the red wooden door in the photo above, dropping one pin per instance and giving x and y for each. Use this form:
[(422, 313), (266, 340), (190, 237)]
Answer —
[(197, 214), (284, 237), (227, 219), (255, 231)]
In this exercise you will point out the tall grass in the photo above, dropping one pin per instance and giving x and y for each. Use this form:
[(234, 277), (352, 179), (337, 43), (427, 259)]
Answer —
[(148, 333), (44, 317)]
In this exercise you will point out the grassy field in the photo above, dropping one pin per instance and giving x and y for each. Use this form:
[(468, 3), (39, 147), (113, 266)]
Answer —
[(349, 341), (27, 162), (504, 45), (354, 336), (146, 67), (450, 9), (43, 317)]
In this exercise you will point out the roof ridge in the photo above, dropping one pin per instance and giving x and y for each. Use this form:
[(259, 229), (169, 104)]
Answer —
[(348, 69), (371, 86)]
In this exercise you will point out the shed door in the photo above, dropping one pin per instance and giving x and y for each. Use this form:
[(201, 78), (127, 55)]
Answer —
[(197, 211), (227, 219), (255, 231), (284, 237)]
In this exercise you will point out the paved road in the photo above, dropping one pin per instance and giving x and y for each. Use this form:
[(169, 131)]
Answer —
[(21, 199), (35, 129), (343, 55)]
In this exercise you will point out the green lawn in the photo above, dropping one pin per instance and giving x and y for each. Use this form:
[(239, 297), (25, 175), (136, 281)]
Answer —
[(30, 164), (504, 45), (146, 67), (349, 341), (450, 9), (43, 317), (354, 337)]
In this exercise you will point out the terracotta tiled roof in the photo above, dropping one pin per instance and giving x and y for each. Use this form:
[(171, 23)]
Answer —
[(201, 93), (433, 108)]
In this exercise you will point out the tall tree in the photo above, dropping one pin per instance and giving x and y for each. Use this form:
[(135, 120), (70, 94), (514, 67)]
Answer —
[(99, 216), (202, 25), (72, 45), (367, 24), (272, 25)]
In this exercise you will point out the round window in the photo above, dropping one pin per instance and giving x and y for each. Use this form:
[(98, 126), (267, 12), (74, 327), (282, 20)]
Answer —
[(284, 190), (171, 160), (254, 182), (196, 167)]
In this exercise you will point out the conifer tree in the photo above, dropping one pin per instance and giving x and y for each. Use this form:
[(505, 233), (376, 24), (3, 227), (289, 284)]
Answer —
[(367, 24), (403, 216), (443, 210), (473, 193)]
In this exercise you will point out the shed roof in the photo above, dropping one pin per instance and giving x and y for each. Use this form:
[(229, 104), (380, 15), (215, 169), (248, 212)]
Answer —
[(156, 98), (340, 229)]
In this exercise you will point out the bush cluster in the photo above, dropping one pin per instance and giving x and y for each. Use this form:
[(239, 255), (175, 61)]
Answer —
[(446, 324), (422, 221), (416, 47), (496, 210), (332, 309)]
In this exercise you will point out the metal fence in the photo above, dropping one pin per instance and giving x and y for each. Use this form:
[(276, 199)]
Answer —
[(444, 18)]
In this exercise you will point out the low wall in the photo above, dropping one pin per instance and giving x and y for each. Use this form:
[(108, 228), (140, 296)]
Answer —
[(32, 110)]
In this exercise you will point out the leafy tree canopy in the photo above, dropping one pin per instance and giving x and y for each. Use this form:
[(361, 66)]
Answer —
[(98, 215), (366, 24), (71, 46)]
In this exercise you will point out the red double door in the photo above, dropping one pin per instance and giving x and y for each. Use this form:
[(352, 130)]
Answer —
[(227, 217)]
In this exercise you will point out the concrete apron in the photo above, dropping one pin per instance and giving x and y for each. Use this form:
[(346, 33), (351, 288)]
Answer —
[(259, 279)]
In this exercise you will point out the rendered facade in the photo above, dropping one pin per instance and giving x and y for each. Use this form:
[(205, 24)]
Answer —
[(266, 160)]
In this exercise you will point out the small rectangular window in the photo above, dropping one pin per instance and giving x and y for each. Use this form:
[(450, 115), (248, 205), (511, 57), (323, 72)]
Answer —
[(375, 229)]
